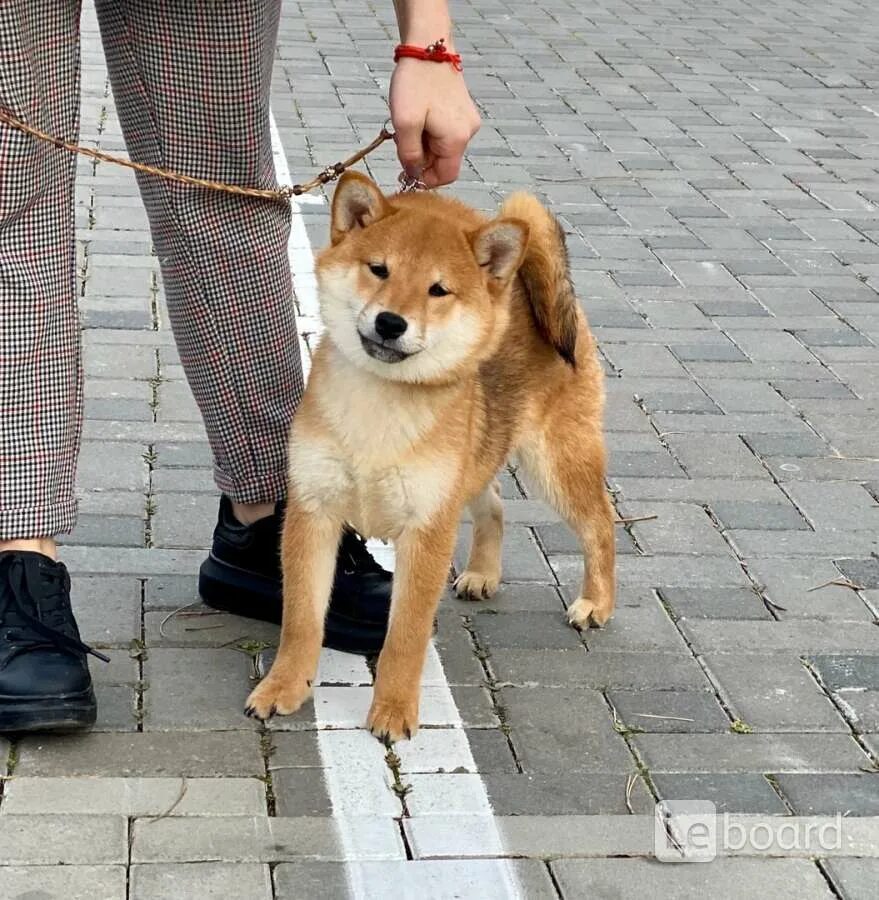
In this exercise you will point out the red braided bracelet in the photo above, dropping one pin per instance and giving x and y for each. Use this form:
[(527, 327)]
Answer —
[(436, 52)]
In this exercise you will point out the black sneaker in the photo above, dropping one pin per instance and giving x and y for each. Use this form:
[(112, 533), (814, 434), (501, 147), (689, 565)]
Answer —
[(45, 683), (242, 575)]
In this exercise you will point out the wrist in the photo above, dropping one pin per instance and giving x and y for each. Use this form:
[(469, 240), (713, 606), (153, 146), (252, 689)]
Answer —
[(435, 52)]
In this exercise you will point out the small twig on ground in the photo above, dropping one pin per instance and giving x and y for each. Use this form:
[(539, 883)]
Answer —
[(173, 613), (772, 606), (631, 781), (628, 520), (669, 718), (839, 582), (184, 786)]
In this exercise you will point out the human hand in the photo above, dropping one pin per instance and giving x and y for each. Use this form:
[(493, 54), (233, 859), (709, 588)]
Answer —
[(434, 119)]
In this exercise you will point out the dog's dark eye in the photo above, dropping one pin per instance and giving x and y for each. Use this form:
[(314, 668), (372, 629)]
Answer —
[(437, 290), (379, 270)]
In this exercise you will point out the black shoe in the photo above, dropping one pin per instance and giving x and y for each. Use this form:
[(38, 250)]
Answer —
[(45, 683), (242, 575)]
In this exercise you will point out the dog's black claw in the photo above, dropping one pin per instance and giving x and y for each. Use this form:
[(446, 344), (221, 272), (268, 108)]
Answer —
[(409, 734), (272, 711), (249, 711)]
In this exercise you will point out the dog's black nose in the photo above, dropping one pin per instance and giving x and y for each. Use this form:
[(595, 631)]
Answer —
[(389, 325)]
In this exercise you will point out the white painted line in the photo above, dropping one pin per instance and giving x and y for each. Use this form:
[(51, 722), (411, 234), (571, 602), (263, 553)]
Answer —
[(357, 778)]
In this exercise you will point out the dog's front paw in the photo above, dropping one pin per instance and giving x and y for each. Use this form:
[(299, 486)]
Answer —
[(277, 696), (393, 720), (584, 612), (476, 586)]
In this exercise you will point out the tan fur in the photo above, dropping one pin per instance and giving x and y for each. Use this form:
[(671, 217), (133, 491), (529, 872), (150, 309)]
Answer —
[(503, 365)]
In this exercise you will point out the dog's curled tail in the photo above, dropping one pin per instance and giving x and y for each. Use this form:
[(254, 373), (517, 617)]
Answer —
[(546, 275)]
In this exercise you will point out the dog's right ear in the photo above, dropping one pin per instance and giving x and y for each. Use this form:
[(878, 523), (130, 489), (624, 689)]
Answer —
[(357, 203)]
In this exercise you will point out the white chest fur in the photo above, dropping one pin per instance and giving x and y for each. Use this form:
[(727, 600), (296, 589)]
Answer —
[(369, 463)]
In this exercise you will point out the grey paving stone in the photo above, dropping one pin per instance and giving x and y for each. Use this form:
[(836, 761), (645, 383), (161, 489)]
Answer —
[(525, 630), (63, 882), (184, 520), (69, 840), (491, 751), (864, 572), (749, 794), (200, 626), (796, 584), (829, 795), (548, 795), (732, 753), (758, 516), (842, 507), (152, 755), (855, 879), (107, 465), (475, 706), (861, 709), (545, 737), (295, 748), (300, 792), (511, 598), (715, 352), (678, 528), (107, 531), (249, 839), (840, 672), (560, 539), (809, 636), (522, 559), (210, 880), (117, 708), (107, 609), (669, 711), (722, 879), (715, 457), (716, 603), (599, 669), (196, 690), (170, 592), (431, 878), (638, 626), (773, 693), (134, 796)]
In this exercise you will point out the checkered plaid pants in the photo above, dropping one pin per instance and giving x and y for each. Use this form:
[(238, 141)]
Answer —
[(191, 82)]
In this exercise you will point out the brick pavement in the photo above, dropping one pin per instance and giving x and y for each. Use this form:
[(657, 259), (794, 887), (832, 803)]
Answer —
[(717, 171)]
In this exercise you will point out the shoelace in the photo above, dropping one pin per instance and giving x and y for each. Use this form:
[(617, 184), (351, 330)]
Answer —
[(353, 548), (22, 576)]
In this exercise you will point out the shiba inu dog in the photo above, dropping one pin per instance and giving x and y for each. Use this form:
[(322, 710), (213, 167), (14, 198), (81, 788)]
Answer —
[(452, 343)]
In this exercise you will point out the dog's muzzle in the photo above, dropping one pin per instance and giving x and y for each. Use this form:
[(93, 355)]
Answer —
[(384, 351)]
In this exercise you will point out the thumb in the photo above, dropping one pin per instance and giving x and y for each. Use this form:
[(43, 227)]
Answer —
[(410, 149)]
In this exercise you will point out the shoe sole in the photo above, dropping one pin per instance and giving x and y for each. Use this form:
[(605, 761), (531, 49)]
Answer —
[(61, 714), (230, 589)]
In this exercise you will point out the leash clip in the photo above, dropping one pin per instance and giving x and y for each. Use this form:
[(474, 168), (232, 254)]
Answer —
[(409, 183)]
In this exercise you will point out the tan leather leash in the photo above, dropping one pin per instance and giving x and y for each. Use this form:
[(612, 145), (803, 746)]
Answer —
[(283, 194)]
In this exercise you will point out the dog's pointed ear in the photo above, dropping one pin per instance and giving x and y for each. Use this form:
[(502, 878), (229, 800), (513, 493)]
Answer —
[(500, 246), (357, 203)]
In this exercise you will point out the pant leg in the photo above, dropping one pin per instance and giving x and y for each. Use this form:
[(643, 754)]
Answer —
[(40, 370), (191, 81)]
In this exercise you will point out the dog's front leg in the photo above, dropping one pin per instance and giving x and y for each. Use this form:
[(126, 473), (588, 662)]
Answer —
[(421, 573), (309, 546)]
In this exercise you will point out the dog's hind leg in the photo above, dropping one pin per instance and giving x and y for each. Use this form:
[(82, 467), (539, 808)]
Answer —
[(568, 465), (483, 573)]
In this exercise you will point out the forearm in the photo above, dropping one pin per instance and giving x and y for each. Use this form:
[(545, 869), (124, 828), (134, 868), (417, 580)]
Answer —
[(421, 22)]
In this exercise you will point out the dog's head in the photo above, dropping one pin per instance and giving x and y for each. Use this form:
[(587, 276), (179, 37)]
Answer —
[(413, 287)]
